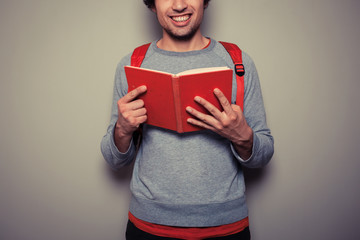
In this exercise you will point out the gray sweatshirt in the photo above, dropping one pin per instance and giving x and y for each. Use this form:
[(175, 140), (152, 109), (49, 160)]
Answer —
[(191, 179)]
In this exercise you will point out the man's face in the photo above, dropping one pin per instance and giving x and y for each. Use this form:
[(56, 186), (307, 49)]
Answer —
[(180, 19)]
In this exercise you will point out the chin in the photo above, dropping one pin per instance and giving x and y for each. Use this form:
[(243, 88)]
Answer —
[(182, 37)]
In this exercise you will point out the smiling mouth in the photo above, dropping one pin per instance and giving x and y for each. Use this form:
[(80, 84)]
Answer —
[(183, 18)]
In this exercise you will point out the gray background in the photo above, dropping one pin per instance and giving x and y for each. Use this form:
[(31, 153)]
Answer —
[(57, 62)]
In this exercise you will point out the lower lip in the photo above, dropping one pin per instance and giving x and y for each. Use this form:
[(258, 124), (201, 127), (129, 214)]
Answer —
[(181, 24)]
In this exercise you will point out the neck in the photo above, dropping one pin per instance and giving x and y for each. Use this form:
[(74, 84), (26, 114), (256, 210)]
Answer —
[(197, 42)]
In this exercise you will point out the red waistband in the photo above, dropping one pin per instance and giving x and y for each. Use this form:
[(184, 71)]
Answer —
[(190, 233)]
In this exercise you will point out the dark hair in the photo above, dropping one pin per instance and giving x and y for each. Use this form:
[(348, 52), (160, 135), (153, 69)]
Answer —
[(151, 3)]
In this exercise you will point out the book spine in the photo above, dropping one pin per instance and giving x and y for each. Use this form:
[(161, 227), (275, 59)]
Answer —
[(177, 103)]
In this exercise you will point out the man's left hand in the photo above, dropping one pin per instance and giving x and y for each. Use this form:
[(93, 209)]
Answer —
[(230, 123)]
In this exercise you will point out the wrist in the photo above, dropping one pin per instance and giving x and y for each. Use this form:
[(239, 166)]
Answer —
[(122, 139), (120, 132), (246, 137), (244, 145)]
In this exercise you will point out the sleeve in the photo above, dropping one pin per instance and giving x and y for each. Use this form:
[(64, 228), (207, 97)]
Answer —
[(254, 112), (110, 152)]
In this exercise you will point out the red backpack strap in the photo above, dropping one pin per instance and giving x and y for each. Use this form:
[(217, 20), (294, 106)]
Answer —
[(139, 54), (137, 58), (236, 55)]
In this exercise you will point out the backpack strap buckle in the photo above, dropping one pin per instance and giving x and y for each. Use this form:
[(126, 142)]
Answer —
[(239, 69)]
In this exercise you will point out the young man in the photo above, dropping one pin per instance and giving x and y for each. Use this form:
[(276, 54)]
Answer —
[(189, 185)]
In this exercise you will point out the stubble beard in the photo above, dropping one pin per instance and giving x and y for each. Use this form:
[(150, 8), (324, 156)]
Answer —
[(182, 37)]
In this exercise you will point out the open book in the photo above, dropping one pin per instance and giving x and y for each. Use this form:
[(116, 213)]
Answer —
[(168, 94)]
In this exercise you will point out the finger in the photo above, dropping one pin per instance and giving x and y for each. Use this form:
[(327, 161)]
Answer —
[(236, 108), (141, 119), (139, 112), (214, 111), (223, 100), (133, 121), (199, 124), (134, 93), (139, 103), (207, 119), (125, 109)]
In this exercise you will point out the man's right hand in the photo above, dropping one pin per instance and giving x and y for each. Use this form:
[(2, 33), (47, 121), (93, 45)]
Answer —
[(131, 113)]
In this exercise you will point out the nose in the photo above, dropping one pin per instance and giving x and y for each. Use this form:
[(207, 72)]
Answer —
[(179, 5)]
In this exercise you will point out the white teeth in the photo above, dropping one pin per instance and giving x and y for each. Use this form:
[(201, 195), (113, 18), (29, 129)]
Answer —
[(181, 18)]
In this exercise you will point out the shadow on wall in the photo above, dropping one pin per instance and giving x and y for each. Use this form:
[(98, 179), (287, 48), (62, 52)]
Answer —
[(122, 175), (254, 176)]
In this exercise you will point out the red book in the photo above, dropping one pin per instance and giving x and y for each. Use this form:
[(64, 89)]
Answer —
[(168, 94)]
